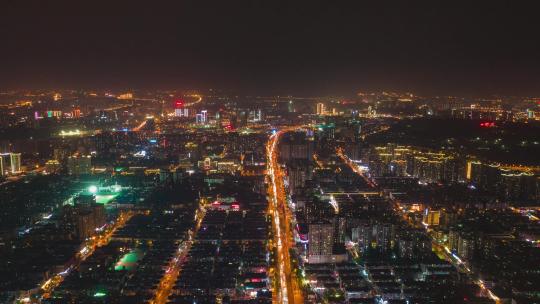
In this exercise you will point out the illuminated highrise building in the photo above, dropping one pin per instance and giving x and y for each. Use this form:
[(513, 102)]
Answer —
[(198, 118), (204, 116), (201, 118), (76, 113), (180, 110), (290, 106), (258, 115), (183, 112), (321, 110), (255, 115), (1, 166), (15, 159), (321, 242), (79, 165), (453, 240), (432, 217)]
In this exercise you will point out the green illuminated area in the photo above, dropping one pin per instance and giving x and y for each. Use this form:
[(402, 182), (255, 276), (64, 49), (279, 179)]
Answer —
[(93, 189), (99, 294), (105, 199), (129, 260), (105, 195), (322, 127)]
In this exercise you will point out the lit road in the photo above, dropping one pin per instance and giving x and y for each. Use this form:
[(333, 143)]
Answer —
[(171, 274), (16, 178), (462, 266), (139, 127), (528, 212), (289, 290), (441, 250), (96, 241), (444, 252), (354, 167), (174, 268)]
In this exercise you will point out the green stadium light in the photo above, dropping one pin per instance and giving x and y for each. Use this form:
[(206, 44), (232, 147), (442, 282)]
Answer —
[(93, 189)]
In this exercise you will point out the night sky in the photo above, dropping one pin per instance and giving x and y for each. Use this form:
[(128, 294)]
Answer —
[(273, 47)]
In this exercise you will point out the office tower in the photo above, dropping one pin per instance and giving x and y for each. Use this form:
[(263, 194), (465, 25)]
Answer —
[(180, 110), (1, 166), (321, 108), (15, 159), (198, 118), (201, 118), (204, 116)]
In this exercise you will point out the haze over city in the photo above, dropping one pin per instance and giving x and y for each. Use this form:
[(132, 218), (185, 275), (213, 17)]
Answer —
[(305, 47)]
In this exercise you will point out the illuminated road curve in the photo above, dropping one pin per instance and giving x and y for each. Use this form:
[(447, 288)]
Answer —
[(289, 290), (190, 104)]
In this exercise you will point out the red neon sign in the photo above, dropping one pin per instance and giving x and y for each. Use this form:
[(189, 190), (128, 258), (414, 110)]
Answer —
[(487, 124), (179, 103)]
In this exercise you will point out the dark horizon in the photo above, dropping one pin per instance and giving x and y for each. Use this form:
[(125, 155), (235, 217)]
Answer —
[(308, 48)]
